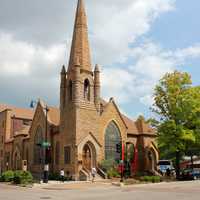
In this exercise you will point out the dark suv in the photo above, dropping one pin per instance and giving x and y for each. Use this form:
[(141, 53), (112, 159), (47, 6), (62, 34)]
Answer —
[(190, 174)]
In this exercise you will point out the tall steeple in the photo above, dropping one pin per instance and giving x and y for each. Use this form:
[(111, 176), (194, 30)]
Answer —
[(80, 49)]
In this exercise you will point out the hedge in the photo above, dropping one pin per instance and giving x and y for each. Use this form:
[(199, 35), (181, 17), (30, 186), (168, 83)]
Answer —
[(113, 173), (17, 177), (7, 176), (152, 179), (22, 177)]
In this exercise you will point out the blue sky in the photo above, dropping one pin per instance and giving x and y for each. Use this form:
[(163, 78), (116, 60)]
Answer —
[(177, 29), (134, 41)]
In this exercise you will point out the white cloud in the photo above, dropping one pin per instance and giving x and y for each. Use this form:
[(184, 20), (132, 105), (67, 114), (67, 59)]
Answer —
[(114, 25), (122, 24), (19, 58), (28, 71), (190, 52), (138, 80)]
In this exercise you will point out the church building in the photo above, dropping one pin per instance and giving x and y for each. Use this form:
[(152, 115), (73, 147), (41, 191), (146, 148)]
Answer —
[(83, 131)]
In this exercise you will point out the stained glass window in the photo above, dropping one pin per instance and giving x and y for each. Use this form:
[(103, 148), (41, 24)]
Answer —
[(38, 153), (112, 138)]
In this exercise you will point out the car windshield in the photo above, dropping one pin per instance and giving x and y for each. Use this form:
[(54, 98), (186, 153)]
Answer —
[(164, 162)]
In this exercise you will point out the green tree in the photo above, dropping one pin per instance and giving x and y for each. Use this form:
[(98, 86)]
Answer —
[(177, 105)]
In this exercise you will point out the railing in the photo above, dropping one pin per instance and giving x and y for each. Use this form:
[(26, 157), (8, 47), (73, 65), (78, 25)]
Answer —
[(101, 172), (86, 173)]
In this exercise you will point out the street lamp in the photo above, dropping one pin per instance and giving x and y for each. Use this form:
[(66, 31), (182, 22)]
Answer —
[(45, 144), (178, 163)]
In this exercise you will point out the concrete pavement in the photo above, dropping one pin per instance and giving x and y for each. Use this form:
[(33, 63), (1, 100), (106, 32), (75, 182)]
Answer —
[(104, 191)]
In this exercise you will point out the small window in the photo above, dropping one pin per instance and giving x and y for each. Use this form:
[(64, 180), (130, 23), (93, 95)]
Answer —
[(67, 155), (87, 90)]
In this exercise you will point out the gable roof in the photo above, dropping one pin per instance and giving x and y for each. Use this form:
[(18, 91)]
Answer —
[(131, 127), (23, 113), (144, 128), (54, 115)]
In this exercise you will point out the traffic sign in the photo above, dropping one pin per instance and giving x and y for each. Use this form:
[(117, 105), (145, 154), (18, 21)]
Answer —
[(46, 144)]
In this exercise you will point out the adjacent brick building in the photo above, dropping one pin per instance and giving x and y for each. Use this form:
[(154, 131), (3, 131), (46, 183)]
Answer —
[(83, 131)]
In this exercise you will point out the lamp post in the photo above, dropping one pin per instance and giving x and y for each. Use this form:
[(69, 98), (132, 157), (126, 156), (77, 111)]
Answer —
[(46, 162), (122, 162), (177, 164), (45, 144)]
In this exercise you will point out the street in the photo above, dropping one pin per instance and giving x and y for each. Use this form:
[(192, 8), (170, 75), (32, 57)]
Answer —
[(104, 191)]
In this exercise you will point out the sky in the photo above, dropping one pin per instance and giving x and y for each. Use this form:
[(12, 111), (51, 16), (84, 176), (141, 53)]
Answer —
[(135, 42)]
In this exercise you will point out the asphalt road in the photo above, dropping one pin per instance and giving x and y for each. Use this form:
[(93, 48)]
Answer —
[(100, 191)]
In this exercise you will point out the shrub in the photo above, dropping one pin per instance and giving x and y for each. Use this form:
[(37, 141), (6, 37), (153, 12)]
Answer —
[(54, 176), (156, 179), (7, 176), (146, 178), (152, 179), (113, 173), (107, 165), (1, 180), (57, 177), (22, 177)]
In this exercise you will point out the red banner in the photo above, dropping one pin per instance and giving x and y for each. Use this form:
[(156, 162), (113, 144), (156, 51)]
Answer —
[(122, 151), (135, 161)]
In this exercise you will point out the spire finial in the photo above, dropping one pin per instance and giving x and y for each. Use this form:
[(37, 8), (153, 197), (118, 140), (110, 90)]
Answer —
[(63, 71), (96, 69)]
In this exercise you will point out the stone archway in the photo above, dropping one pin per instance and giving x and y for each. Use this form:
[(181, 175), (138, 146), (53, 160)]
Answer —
[(89, 156)]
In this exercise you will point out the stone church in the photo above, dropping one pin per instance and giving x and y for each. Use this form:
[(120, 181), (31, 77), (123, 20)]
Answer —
[(83, 131)]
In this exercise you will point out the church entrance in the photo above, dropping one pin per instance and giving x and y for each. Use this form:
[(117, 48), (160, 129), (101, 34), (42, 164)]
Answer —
[(89, 156)]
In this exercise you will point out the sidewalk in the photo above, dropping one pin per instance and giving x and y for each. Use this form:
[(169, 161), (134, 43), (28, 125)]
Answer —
[(57, 185)]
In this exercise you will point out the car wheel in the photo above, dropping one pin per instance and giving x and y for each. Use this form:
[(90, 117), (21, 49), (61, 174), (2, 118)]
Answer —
[(195, 178)]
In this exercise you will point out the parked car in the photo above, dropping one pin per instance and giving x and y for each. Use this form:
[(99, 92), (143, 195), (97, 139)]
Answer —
[(189, 174), (164, 165)]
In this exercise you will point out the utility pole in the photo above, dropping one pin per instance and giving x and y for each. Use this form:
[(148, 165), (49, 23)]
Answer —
[(177, 164), (46, 161)]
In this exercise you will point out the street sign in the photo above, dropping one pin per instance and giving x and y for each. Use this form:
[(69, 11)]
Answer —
[(46, 144), (121, 162)]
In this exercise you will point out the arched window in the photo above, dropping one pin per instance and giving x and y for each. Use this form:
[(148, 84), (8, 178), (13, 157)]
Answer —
[(70, 90), (112, 138), (87, 90), (38, 153), (57, 153)]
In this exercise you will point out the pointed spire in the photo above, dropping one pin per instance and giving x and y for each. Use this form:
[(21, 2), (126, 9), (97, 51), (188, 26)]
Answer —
[(80, 49), (96, 69), (63, 71)]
